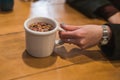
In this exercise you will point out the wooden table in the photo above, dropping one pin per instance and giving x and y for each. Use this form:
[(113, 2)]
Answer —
[(67, 61)]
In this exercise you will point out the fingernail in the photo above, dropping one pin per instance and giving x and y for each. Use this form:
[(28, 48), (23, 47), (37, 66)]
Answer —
[(62, 24), (61, 28)]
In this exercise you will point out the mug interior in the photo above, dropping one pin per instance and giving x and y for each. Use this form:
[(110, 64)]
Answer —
[(50, 21)]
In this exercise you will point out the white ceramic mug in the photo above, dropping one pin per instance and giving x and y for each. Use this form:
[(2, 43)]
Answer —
[(40, 44)]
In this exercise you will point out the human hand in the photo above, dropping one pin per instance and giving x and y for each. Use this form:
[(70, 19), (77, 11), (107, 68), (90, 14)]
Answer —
[(83, 36), (115, 19)]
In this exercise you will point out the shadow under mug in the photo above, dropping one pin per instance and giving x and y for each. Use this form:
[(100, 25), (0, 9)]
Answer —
[(40, 44)]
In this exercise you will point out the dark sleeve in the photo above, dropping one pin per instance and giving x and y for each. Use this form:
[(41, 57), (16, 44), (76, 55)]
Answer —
[(116, 3), (87, 7), (106, 11), (112, 49)]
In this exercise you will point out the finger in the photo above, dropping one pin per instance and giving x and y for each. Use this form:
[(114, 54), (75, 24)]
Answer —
[(73, 41), (69, 27), (67, 35)]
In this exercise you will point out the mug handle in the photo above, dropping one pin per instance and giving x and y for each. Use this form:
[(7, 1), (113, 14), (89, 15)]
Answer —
[(59, 42)]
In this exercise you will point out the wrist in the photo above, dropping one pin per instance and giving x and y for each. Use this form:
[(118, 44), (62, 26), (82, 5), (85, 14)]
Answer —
[(106, 34)]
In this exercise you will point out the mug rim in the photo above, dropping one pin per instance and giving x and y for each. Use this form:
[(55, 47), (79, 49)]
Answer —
[(37, 32)]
